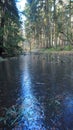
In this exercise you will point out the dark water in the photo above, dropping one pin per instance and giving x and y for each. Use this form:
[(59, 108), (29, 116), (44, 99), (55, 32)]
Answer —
[(36, 92)]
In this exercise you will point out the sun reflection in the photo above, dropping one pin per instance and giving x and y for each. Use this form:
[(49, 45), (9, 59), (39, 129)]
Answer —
[(32, 110)]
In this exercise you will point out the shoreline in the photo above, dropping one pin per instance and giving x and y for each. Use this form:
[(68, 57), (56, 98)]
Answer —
[(38, 51), (51, 51)]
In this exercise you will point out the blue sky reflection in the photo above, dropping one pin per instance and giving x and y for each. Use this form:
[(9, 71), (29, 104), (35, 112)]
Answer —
[(32, 110)]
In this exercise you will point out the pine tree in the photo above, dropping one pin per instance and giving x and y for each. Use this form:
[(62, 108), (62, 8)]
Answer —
[(9, 25)]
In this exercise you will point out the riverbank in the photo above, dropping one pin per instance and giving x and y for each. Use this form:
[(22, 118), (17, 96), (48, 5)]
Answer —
[(61, 49), (52, 50), (44, 51), (2, 59), (58, 52)]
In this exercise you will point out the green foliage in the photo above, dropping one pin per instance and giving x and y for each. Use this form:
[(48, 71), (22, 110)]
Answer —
[(48, 23), (68, 48), (58, 48), (10, 33)]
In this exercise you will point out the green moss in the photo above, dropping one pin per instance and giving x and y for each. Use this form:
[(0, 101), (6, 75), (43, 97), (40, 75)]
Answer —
[(68, 47)]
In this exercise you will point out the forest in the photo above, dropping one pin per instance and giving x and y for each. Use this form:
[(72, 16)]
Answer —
[(10, 28), (48, 24)]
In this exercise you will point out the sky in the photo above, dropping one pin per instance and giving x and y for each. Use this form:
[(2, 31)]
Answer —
[(20, 5)]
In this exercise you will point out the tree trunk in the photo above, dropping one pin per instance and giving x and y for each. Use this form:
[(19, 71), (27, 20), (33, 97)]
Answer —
[(2, 28)]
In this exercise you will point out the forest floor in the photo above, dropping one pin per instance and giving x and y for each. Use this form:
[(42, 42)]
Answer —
[(52, 51)]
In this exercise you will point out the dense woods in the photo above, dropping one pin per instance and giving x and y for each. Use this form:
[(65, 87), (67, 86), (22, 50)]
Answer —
[(10, 32), (49, 23)]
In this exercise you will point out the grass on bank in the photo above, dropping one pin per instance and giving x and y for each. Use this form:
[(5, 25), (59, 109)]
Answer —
[(57, 49)]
